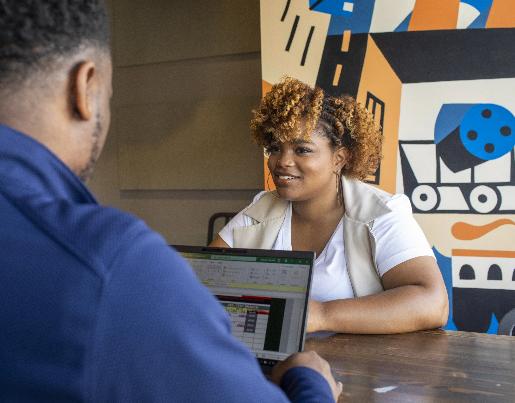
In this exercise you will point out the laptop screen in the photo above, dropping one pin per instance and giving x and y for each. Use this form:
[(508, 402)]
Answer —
[(266, 294)]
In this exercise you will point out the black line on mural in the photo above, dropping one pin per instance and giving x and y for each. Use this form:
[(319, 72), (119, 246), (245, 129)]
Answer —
[(307, 46), (512, 172), (417, 142), (376, 101), (286, 10), (292, 34), (439, 168), (316, 4)]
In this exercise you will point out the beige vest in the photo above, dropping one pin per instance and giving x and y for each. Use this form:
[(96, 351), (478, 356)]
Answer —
[(363, 204)]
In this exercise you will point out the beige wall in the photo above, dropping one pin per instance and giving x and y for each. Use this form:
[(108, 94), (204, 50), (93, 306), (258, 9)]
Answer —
[(166, 55)]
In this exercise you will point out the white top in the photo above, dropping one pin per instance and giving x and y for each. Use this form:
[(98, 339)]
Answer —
[(398, 236)]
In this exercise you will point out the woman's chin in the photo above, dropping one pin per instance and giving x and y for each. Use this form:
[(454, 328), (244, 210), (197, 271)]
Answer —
[(286, 194)]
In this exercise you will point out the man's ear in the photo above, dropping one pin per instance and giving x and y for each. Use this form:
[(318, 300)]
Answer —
[(341, 156), (83, 89)]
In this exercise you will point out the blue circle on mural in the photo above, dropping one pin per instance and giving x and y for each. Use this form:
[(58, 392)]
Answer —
[(488, 131)]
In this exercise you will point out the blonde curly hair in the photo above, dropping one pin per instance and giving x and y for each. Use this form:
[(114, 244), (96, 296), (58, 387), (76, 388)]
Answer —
[(341, 119)]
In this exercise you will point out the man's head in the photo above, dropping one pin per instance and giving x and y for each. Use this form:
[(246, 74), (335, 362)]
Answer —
[(55, 75)]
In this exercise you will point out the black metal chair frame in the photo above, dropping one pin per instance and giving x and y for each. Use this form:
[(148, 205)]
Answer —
[(507, 324), (211, 225)]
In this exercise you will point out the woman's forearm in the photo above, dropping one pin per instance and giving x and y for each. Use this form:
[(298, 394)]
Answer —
[(403, 309), (415, 298)]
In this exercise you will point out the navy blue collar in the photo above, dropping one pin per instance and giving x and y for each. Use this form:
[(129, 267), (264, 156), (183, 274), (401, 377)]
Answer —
[(28, 169)]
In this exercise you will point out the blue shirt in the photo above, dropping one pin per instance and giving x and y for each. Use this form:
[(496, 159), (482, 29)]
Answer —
[(96, 307)]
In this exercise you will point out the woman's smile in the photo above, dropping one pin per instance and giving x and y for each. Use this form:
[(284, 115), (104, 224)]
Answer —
[(284, 179)]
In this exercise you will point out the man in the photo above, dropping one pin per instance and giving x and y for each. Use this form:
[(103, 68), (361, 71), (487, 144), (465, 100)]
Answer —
[(94, 306)]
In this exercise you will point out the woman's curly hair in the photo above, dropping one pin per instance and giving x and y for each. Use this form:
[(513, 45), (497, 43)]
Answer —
[(341, 119)]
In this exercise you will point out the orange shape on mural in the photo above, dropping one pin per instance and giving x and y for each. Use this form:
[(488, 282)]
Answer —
[(468, 232), (502, 14), (431, 15)]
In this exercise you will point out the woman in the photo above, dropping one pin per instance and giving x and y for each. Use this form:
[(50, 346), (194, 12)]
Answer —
[(374, 271)]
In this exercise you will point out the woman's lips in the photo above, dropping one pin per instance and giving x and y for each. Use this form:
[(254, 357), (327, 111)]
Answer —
[(283, 180)]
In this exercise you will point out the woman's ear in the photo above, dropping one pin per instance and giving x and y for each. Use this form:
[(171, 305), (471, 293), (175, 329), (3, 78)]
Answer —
[(341, 156), (84, 88)]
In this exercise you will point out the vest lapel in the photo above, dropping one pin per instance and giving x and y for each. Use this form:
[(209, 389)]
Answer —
[(363, 204), (268, 214)]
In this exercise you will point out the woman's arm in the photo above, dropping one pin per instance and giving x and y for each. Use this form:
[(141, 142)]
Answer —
[(415, 298), (218, 242)]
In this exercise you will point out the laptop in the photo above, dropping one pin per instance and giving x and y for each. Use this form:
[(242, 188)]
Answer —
[(265, 292)]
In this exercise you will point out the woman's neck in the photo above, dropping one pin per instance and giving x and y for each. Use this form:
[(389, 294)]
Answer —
[(318, 210)]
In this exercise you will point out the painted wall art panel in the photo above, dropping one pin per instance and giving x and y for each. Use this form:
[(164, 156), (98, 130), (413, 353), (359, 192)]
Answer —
[(439, 77)]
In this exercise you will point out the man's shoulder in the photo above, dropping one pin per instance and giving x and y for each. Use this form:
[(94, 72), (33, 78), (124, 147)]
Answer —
[(107, 233)]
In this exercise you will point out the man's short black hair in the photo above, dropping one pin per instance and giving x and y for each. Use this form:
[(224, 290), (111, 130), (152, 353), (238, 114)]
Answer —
[(34, 33)]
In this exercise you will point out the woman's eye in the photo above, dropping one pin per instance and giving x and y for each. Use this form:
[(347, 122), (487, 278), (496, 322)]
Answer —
[(272, 149), (303, 150)]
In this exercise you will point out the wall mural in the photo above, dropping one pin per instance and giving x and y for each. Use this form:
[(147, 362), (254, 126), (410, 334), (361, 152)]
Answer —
[(439, 77)]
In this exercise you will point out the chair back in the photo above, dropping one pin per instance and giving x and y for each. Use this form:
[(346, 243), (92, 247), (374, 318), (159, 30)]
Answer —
[(211, 225), (507, 324)]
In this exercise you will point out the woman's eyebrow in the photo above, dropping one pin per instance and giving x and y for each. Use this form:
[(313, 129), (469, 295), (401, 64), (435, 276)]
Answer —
[(301, 141)]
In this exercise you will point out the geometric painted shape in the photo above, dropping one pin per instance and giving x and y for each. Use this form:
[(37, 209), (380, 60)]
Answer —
[(447, 176), (332, 7), (348, 6), (424, 197), (357, 21), (404, 25), (399, 179), (422, 159), (499, 269), (450, 55), (345, 42), (494, 273), (502, 14), (449, 118), (507, 197), (452, 151), (483, 199), (507, 324), (466, 15), (451, 198), (488, 131), (467, 272), (494, 325), (479, 5), (389, 15), (277, 30), (494, 171), (479, 310), (434, 15), (481, 20)]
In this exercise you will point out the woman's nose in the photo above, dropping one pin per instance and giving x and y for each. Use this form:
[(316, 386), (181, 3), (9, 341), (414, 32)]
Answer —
[(285, 159)]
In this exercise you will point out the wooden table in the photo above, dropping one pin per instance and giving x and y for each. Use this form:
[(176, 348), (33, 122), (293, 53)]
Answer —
[(425, 366)]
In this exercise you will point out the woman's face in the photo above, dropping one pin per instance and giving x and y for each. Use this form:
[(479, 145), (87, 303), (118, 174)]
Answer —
[(305, 170)]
